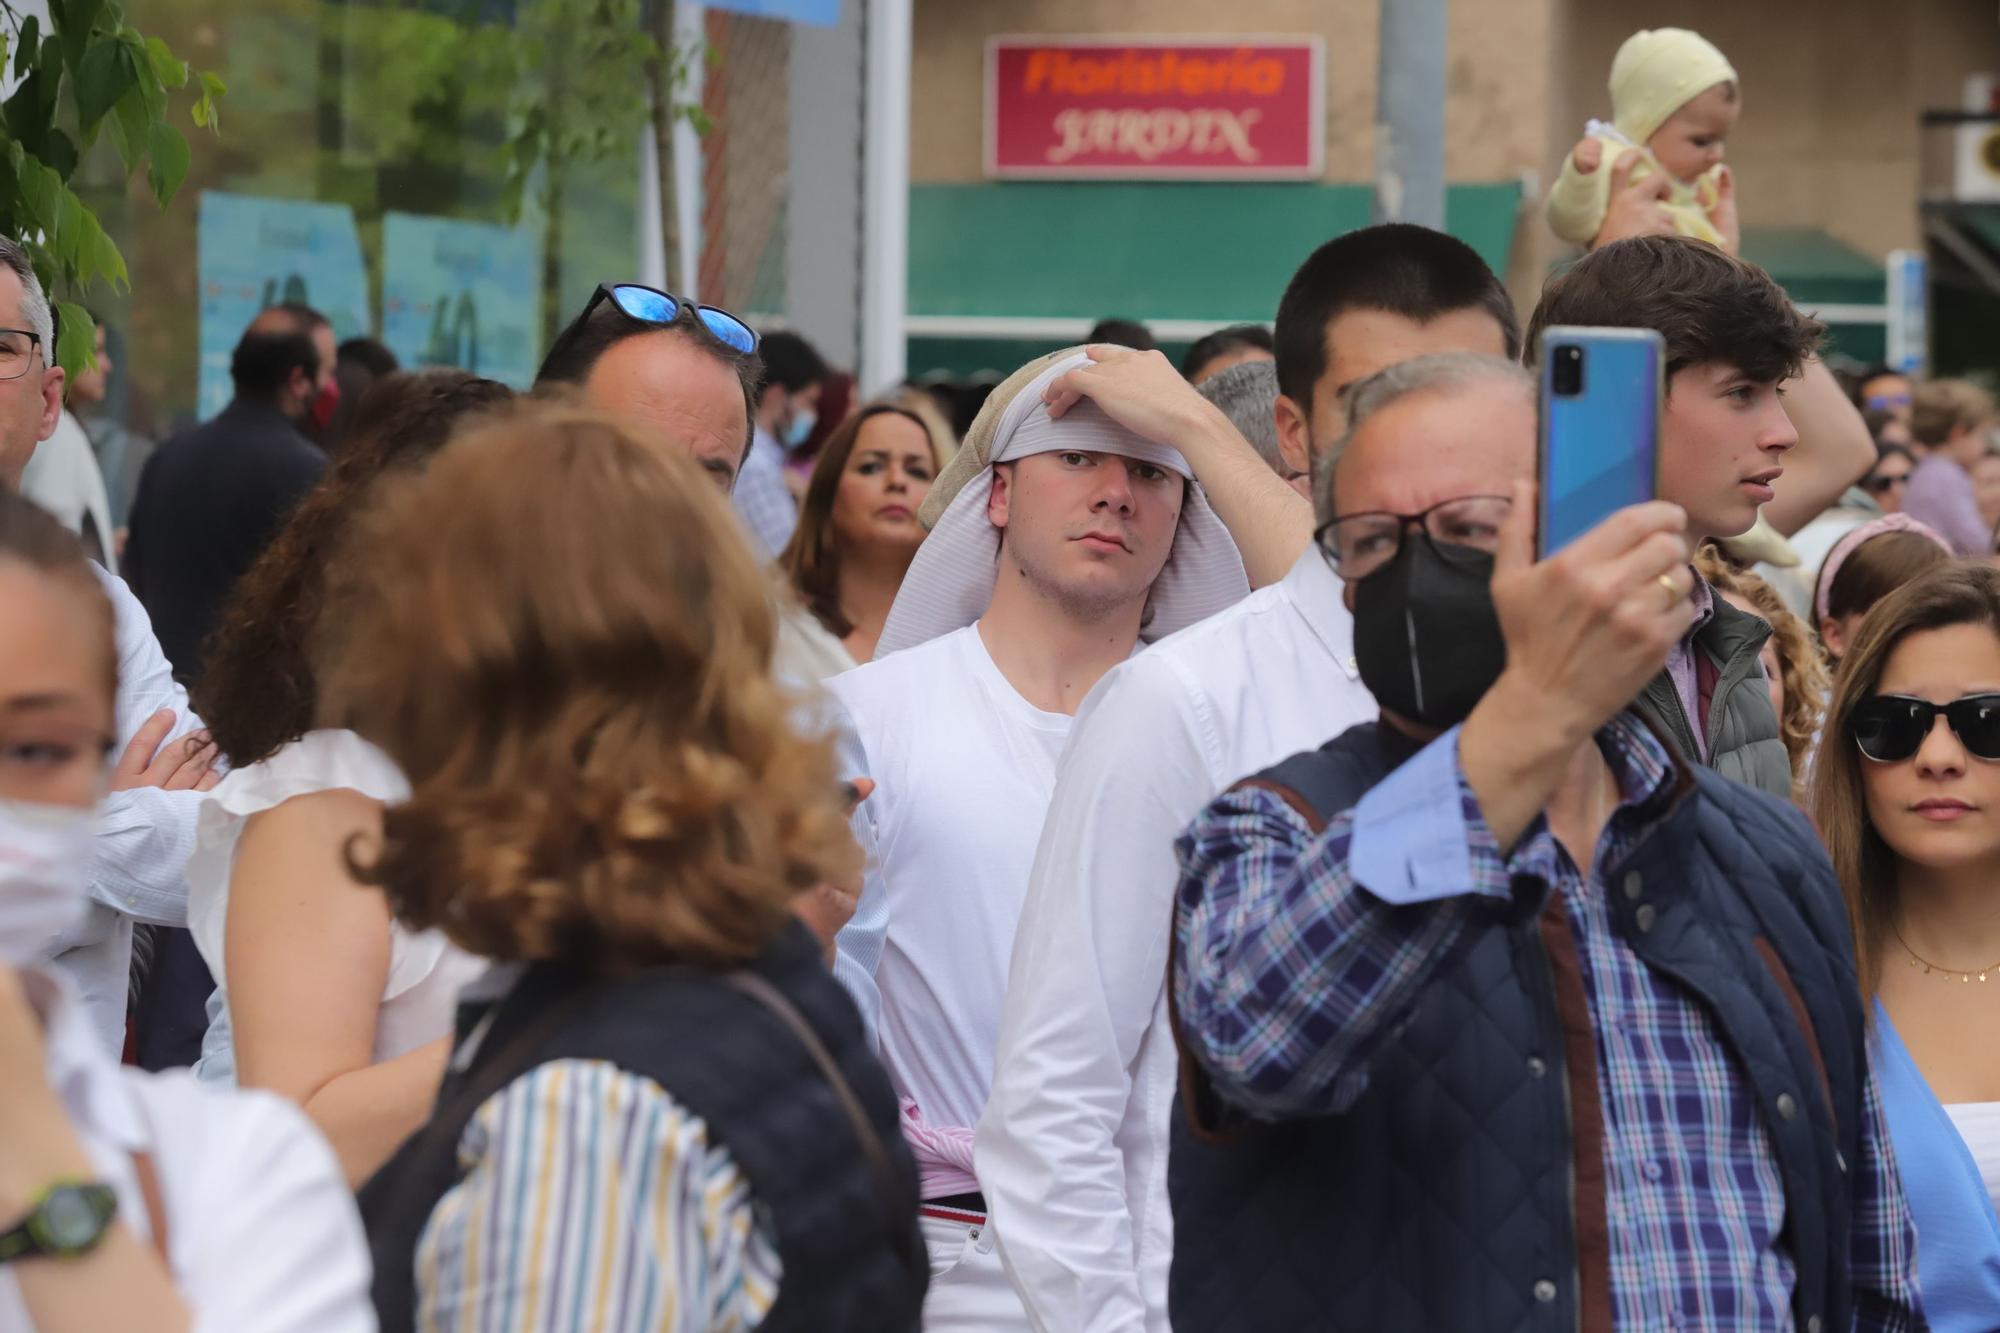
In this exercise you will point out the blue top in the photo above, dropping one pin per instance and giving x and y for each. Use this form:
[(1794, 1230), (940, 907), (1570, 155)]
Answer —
[(1958, 1233)]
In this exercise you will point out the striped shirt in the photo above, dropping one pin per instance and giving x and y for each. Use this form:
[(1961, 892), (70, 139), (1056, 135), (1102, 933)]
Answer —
[(1299, 948), (592, 1200)]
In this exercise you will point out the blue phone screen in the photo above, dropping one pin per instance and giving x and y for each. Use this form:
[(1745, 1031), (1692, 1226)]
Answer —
[(1600, 439)]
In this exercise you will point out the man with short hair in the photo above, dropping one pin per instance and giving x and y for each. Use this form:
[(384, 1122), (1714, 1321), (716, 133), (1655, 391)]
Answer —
[(787, 410), (212, 498), (1072, 1150), (1733, 340), (1499, 1013), (1057, 544), (145, 829), (687, 373), (1224, 349), (1247, 393), (1953, 422)]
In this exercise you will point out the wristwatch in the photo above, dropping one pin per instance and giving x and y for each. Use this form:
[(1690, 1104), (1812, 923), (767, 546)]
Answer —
[(67, 1221)]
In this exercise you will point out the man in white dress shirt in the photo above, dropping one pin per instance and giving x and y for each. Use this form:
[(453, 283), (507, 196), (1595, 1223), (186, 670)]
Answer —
[(1055, 546), (1071, 1151), (146, 823)]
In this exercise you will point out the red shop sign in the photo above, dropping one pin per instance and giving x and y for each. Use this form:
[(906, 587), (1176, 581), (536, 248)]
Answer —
[(1216, 108)]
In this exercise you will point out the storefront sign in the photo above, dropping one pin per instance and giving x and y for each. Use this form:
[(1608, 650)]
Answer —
[(1215, 108)]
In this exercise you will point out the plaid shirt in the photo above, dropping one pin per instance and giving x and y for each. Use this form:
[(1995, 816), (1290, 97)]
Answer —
[(762, 499), (1301, 954)]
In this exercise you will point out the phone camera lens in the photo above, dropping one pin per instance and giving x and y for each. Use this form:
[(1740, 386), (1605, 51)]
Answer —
[(1566, 372)]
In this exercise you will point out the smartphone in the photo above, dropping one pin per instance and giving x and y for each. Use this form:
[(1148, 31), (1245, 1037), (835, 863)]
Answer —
[(1600, 427)]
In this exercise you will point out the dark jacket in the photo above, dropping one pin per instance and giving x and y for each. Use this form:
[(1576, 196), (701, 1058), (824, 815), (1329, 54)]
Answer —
[(1465, 1190), (1743, 739), (210, 500), (851, 1258)]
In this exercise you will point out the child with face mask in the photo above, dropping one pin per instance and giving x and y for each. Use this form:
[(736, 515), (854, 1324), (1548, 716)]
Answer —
[(127, 1201), (1674, 99)]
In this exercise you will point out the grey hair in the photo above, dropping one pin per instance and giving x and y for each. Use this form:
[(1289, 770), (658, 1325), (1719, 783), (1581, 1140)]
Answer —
[(1442, 371), (1248, 396), (34, 302)]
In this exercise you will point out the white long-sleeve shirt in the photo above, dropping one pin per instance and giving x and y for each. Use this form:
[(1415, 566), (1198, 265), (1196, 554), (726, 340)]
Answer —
[(144, 836), (262, 1235), (1072, 1148)]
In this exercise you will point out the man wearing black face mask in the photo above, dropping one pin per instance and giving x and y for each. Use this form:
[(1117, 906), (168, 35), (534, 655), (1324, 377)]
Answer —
[(1497, 1014)]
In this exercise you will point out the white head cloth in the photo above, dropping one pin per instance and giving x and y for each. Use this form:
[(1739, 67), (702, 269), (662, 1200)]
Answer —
[(951, 580)]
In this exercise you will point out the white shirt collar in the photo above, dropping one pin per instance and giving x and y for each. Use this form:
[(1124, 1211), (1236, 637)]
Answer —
[(1317, 592)]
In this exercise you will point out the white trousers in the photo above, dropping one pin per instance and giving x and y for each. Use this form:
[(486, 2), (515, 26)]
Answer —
[(969, 1290)]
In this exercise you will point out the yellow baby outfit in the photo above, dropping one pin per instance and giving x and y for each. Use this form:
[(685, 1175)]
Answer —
[(1656, 73)]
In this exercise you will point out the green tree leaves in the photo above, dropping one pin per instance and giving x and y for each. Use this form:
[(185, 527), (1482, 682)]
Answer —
[(118, 82)]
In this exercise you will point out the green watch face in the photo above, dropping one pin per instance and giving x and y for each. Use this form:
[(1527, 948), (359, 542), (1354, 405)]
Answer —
[(72, 1217)]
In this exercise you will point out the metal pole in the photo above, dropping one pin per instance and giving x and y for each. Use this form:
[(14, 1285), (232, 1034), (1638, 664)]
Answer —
[(885, 194), (690, 33), (1409, 113)]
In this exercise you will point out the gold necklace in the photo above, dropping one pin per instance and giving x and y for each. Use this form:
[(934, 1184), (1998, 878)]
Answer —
[(1918, 960)]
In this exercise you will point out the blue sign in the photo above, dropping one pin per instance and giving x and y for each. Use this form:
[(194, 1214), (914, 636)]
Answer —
[(822, 13), (1909, 308), (255, 253), (464, 294)]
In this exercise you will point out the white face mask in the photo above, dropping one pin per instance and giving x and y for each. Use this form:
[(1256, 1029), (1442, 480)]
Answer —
[(45, 861)]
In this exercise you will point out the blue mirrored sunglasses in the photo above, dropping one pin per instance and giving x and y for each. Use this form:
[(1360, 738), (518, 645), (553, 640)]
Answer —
[(650, 305)]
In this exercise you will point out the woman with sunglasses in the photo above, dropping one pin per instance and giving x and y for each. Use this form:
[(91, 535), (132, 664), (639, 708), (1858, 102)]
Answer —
[(1890, 479), (1907, 796)]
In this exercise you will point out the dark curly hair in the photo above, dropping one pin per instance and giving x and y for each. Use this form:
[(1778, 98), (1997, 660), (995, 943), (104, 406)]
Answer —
[(257, 690), (561, 637)]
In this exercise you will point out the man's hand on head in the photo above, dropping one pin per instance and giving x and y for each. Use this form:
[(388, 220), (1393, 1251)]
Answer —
[(187, 764), (1142, 392)]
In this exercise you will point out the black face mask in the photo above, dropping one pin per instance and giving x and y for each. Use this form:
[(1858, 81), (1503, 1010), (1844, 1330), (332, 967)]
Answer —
[(1426, 639)]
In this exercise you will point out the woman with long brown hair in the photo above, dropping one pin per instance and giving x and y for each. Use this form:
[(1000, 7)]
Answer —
[(858, 528), (328, 1002), (663, 1114), (1906, 793)]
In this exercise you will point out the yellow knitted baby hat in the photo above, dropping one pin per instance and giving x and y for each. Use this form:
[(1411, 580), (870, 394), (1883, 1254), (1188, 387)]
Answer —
[(1657, 72)]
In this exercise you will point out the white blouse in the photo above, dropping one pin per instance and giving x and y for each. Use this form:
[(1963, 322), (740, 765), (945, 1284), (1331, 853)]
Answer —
[(425, 970), (1979, 1125)]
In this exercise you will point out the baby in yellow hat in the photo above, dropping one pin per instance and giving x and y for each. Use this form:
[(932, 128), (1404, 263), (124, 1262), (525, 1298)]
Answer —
[(1674, 97)]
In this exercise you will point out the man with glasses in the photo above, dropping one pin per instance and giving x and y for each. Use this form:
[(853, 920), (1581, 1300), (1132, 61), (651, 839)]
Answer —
[(145, 829), (1072, 1148), (687, 372), (1500, 1013)]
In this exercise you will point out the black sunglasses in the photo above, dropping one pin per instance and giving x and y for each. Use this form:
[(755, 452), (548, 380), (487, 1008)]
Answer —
[(650, 305), (1881, 485), (1890, 728)]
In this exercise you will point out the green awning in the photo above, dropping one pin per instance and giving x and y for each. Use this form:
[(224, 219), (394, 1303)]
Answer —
[(998, 268), (1820, 271)]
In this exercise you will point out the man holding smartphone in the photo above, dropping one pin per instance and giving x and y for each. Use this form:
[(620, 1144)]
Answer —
[(1733, 342), (1499, 1013)]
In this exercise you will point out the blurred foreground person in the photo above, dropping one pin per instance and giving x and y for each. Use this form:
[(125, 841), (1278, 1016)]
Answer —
[(660, 1113), (128, 1201), (1907, 789), (325, 999)]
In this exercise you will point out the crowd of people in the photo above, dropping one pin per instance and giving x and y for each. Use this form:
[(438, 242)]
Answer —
[(683, 848)]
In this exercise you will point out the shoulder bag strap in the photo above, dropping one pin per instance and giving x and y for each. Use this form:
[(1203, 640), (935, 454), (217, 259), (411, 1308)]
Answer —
[(764, 993)]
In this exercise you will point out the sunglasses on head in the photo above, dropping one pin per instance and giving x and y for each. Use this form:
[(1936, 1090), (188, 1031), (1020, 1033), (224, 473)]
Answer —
[(650, 305), (1891, 727)]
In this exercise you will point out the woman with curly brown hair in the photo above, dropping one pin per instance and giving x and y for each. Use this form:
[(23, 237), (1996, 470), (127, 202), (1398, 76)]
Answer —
[(663, 1114), (1792, 666), (328, 1002)]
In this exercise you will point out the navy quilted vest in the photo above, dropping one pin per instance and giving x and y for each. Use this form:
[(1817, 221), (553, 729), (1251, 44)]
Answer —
[(728, 1060), (1464, 1189)]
